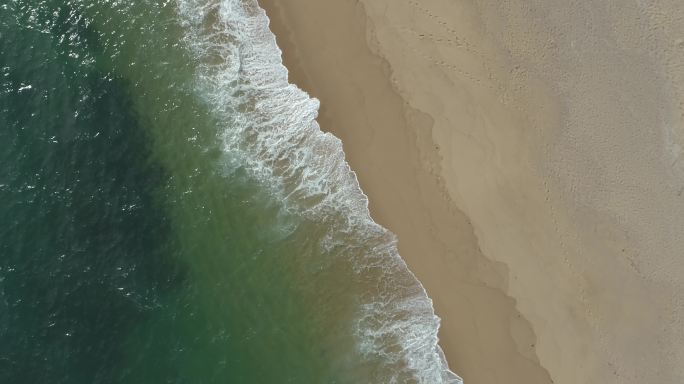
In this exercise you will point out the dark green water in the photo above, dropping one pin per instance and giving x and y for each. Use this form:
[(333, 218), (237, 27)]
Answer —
[(137, 246)]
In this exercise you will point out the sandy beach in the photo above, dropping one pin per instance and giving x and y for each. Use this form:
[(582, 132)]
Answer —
[(528, 155)]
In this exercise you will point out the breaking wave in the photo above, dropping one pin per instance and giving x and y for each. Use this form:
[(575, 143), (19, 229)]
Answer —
[(270, 127)]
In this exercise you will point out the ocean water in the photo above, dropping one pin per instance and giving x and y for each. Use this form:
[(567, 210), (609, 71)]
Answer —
[(170, 211)]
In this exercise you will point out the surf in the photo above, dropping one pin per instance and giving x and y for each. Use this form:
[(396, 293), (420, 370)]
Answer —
[(271, 128)]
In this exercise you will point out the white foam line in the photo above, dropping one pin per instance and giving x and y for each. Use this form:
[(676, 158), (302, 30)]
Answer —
[(271, 125)]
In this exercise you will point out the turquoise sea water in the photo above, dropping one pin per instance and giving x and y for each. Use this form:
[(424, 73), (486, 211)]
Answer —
[(171, 213)]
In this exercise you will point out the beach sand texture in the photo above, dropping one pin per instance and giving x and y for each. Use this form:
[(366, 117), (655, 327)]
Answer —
[(528, 154)]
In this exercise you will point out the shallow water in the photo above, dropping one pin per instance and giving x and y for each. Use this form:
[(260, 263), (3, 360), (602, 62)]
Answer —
[(172, 213)]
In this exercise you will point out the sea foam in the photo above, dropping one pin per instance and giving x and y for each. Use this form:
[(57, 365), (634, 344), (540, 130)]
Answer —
[(270, 126)]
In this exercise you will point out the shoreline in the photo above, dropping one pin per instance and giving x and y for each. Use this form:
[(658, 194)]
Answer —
[(484, 338)]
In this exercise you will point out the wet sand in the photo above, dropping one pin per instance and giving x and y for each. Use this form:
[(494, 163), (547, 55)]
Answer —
[(528, 156)]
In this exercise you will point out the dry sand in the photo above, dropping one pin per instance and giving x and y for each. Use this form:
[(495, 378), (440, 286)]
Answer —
[(528, 154)]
